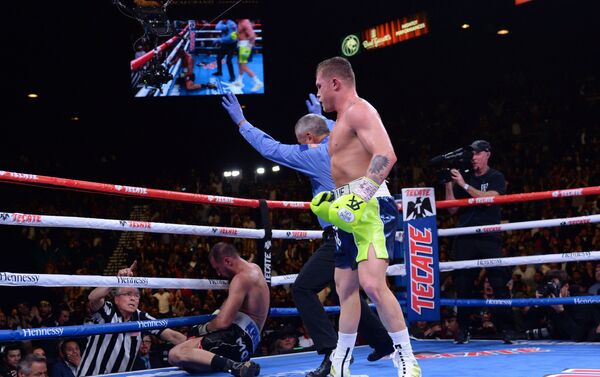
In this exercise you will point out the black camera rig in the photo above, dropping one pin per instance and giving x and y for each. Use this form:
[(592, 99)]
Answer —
[(459, 159)]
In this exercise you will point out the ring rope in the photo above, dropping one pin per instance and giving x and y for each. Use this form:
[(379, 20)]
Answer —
[(138, 192), (516, 261), (142, 192), (581, 220), (24, 219), (63, 280), (86, 330), (58, 280), (517, 198), (576, 300), (139, 62), (17, 279)]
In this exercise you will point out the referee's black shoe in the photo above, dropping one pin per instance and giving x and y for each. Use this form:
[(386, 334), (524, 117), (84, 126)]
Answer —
[(508, 336), (462, 337), (323, 369), (245, 369), (378, 354)]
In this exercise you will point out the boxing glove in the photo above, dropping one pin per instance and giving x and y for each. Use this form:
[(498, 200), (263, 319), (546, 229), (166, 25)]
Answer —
[(198, 330), (320, 204), (345, 212)]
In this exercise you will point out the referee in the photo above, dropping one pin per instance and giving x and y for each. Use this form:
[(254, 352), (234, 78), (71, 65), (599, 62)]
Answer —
[(114, 353)]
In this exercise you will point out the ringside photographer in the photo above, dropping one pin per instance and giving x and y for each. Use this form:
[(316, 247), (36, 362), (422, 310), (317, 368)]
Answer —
[(578, 323)]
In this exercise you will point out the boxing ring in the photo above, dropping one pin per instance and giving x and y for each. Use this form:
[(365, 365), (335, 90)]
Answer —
[(436, 357)]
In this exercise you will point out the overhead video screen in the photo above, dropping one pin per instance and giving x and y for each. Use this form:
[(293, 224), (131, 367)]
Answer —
[(198, 58)]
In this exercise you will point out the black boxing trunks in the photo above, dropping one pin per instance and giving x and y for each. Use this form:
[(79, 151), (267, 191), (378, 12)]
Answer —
[(238, 342)]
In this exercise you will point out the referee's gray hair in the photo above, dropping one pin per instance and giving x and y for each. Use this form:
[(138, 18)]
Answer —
[(26, 363), (313, 123), (115, 291)]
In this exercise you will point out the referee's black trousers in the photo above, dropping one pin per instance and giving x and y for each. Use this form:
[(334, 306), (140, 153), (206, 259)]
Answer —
[(469, 248), (316, 274)]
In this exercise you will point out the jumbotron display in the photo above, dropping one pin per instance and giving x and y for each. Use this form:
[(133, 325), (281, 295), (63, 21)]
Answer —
[(201, 58)]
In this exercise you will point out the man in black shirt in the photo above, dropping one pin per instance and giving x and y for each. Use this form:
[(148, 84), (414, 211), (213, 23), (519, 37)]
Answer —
[(482, 181)]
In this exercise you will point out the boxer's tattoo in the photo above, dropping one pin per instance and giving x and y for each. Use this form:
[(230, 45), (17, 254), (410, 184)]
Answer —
[(378, 165)]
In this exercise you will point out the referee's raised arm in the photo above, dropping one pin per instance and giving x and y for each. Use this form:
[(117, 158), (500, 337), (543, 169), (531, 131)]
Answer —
[(97, 296)]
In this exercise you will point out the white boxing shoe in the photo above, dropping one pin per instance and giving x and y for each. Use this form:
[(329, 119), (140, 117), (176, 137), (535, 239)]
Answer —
[(340, 367), (257, 86), (406, 362)]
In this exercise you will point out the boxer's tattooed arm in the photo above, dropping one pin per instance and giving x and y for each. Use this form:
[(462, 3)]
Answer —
[(378, 168)]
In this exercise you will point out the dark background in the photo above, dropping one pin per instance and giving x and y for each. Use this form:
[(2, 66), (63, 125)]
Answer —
[(76, 55)]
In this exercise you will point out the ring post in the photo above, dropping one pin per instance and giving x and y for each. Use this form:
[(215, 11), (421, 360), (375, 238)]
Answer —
[(421, 254), (264, 259)]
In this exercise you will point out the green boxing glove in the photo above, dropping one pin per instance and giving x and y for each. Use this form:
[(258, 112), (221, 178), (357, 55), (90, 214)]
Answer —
[(320, 204), (345, 212)]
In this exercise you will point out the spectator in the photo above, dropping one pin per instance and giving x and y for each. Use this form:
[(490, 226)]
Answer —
[(285, 341), (11, 356), (164, 298), (39, 351), (70, 358), (304, 340), (45, 313), (145, 358), (595, 288), (33, 366)]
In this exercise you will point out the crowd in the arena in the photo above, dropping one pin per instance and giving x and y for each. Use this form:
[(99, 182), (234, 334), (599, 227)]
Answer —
[(541, 140)]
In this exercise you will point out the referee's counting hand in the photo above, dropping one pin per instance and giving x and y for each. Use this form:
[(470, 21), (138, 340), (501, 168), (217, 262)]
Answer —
[(128, 271)]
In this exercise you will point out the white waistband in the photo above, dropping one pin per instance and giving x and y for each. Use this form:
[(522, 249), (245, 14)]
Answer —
[(348, 188), (244, 43), (247, 324)]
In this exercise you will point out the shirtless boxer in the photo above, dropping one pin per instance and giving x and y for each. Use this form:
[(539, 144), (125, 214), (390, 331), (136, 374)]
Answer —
[(226, 342), (364, 214), (246, 41)]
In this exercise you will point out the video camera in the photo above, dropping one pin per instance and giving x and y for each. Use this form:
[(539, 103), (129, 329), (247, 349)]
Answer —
[(459, 159), (156, 74), (550, 288)]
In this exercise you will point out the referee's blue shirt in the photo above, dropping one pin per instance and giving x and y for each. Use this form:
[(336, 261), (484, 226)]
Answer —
[(312, 161)]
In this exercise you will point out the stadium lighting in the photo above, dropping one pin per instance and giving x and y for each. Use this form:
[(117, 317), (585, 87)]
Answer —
[(276, 168), (260, 171)]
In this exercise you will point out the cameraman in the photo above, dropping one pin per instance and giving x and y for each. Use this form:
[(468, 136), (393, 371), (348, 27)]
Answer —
[(482, 181)]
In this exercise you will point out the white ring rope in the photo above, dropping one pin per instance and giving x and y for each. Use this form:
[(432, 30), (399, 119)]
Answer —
[(516, 261), (22, 219), (519, 225), (56, 280), (149, 227)]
